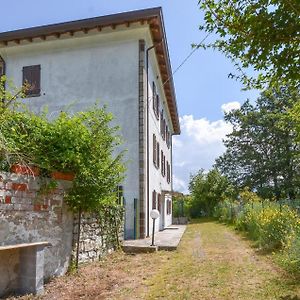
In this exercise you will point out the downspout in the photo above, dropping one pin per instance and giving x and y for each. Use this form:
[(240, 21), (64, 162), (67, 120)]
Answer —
[(147, 112)]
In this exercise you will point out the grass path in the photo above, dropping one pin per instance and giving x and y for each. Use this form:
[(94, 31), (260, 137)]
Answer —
[(212, 263)]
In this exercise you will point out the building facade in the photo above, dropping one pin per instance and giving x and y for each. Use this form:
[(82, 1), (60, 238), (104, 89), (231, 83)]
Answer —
[(120, 61)]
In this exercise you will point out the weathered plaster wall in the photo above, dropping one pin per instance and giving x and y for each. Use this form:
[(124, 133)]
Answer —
[(26, 215), (9, 263)]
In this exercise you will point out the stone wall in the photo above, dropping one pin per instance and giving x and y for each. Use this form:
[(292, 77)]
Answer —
[(29, 215), (99, 234)]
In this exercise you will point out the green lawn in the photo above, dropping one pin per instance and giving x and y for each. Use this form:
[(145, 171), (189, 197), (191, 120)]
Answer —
[(212, 263)]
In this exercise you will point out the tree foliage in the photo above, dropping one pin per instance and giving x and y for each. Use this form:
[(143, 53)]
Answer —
[(294, 115), (263, 34), (206, 191), (262, 152)]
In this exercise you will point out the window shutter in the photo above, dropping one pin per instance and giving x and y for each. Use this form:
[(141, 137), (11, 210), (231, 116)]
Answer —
[(154, 149), (32, 77), (154, 199), (154, 96), (159, 202), (162, 163), (157, 107), (161, 121), (157, 159)]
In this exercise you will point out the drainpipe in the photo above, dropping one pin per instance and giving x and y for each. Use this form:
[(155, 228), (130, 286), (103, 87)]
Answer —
[(147, 112)]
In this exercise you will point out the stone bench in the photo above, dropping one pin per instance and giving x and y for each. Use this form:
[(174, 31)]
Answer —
[(30, 268)]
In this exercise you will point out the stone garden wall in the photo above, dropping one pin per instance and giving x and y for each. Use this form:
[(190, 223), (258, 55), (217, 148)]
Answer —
[(29, 213), (99, 234)]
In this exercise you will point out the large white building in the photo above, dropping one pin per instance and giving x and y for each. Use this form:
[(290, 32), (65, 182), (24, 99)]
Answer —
[(122, 60)]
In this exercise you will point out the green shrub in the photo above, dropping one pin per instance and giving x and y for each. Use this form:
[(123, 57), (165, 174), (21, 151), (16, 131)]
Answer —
[(226, 211), (277, 227), (292, 257), (247, 220)]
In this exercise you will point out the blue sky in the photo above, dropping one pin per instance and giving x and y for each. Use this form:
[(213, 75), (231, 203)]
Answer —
[(202, 85)]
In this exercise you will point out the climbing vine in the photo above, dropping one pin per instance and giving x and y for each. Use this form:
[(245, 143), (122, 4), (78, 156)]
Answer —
[(83, 144)]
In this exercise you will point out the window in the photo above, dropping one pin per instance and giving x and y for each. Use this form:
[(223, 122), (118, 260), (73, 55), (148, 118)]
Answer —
[(161, 121), (155, 100), (168, 137), (164, 129), (157, 107), (157, 153), (159, 202), (162, 126), (32, 80), (169, 207), (154, 199), (154, 150), (162, 162), (154, 96), (168, 172)]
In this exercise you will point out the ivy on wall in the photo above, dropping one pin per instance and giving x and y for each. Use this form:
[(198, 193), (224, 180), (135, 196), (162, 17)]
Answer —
[(83, 144)]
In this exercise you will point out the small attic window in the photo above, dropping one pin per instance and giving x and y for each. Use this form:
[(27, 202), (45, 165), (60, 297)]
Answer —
[(32, 79)]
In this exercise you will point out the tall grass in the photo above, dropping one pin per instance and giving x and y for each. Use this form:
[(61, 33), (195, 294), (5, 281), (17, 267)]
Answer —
[(274, 226)]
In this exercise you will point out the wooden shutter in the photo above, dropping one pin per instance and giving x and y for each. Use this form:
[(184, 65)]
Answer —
[(154, 150), (157, 107), (159, 202), (154, 96), (2, 66), (32, 78), (162, 163), (154, 199), (157, 159), (164, 130), (161, 121)]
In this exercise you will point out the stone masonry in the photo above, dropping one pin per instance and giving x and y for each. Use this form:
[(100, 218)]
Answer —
[(30, 213), (97, 236)]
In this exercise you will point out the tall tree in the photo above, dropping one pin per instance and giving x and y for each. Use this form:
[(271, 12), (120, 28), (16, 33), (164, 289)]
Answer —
[(261, 152), (263, 34), (207, 190)]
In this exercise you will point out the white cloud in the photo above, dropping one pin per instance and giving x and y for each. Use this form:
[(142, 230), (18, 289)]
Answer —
[(227, 107), (179, 185), (199, 144)]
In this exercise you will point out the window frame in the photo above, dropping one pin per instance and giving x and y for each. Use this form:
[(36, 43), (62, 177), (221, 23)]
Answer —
[(33, 70)]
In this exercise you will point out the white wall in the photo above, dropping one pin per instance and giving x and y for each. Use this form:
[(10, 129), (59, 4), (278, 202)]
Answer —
[(156, 181)]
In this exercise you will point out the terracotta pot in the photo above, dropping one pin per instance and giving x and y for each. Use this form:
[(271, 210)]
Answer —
[(62, 176), (25, 170)]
